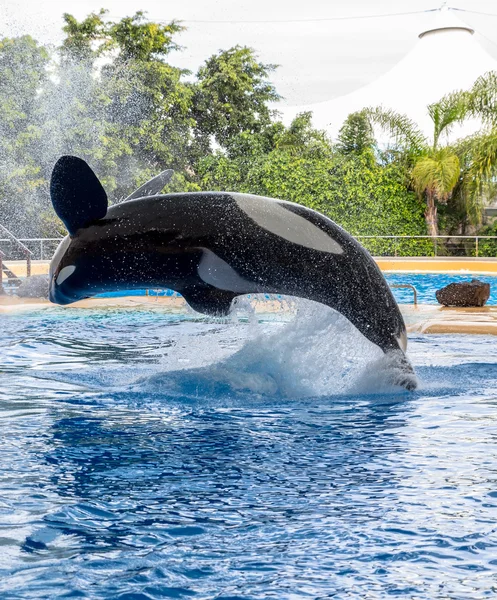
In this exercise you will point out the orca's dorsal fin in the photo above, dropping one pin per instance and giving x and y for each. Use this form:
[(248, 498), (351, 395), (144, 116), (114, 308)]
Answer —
[(152, 187), (77, 195)]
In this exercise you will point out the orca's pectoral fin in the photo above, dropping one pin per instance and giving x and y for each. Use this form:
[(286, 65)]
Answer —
[(77, 195), (209, 301), (152, 187)]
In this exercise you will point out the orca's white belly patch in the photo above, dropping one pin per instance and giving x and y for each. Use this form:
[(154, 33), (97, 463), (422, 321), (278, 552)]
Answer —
[(218, 273)]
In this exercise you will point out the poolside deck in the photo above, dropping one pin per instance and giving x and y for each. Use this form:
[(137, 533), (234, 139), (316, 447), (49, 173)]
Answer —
[(423, 318), (476, 266), (426, 319)]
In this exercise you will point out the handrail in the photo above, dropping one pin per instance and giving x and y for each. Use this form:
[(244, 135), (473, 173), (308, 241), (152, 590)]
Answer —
[(359, 236), (57, 239), (470, 244), (434, 239), (428, 237), (27, 252), (14, 239), (39, 252), (409, 286), (2, 291)]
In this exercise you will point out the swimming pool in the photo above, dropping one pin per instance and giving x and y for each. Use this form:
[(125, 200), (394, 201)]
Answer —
[(426, 285), (154, 455)]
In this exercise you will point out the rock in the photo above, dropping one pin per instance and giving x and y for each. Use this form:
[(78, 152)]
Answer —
[(467, 293), (35, 286)]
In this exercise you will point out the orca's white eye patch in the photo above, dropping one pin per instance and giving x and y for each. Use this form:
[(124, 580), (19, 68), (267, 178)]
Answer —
[(272, 216), (65, 273)]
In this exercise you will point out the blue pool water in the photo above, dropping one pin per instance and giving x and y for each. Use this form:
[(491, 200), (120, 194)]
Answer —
[(426, 285), (148, 455)]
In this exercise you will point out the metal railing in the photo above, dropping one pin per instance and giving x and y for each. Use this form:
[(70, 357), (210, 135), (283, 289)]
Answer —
[(477, 246), (407, 286), (2, 291), (40, 248), (22, 248)]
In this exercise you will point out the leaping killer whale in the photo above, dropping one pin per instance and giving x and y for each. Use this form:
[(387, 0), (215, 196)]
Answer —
[(212, 247)]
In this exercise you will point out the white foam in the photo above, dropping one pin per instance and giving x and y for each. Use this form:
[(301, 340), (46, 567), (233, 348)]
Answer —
[(316, 353)]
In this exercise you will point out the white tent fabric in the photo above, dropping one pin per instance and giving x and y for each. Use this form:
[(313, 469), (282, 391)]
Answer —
[(446, 58)]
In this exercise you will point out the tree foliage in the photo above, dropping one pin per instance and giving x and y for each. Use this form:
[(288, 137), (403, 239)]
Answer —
[(23, 74), (232, 95), (110, 95), (354, 189), (356, 134)]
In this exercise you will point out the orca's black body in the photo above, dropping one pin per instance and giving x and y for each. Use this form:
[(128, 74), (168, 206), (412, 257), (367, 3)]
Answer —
[(212, 247)]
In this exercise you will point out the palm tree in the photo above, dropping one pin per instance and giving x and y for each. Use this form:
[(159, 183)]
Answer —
[(478, 152), (435, 176), (463, 173), (435, 170)]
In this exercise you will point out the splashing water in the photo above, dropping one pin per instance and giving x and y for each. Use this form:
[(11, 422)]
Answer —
[(317, 352)]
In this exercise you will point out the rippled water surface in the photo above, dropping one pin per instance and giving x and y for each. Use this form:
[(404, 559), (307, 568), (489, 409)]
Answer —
[(152, 455)]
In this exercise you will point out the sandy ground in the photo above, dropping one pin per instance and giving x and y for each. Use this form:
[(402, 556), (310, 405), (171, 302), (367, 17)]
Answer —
[(38, 267)]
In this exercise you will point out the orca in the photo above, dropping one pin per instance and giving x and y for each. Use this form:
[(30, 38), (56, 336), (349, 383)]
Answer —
[(212, 247)]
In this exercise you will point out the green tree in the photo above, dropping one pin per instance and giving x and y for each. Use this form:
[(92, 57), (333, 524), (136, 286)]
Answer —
[(119, 104), (301, 165), (81, 37), (300, 138), (142, 40), (232, 94), (478, 152), (23, 73), (149, 104), (356, 134)]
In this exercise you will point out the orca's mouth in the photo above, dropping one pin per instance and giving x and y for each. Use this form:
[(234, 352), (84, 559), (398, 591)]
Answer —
[(57, 298)]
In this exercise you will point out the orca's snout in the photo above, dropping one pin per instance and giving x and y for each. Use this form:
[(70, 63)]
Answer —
[(400, 371), (55, 296), (58, 295)]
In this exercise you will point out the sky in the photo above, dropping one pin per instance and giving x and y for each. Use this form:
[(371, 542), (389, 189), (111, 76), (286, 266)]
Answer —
[(321, 52)]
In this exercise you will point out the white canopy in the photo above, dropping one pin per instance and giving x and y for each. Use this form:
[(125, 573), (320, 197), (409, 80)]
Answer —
[(446, 58)]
